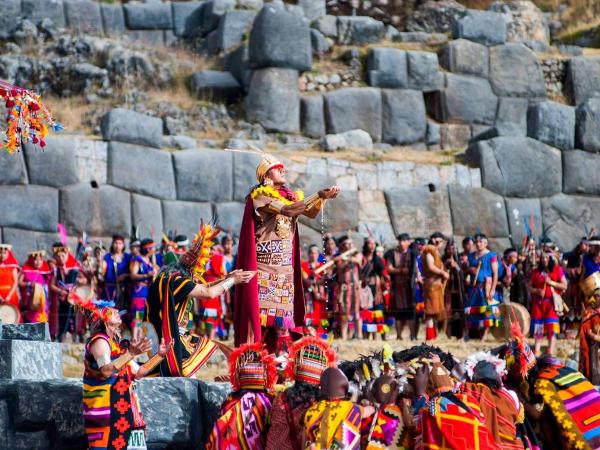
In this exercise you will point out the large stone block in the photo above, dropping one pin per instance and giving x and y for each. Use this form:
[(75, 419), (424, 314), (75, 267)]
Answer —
[(230, 216), (215, 85), (99, 211), (274, 100), (435, 16), (359, 30), (403, 116), (565, 216), (515, 71), (187, 18), (280, 39), (244, 174), (341, 214), (184, 217), (232, 28), (454, 136), (552, 123), (31, 207), (583, 77), (237, 62), (83, 16), (204, 175), (148, 16), (146, 214), (312, 116), (525, 21), (511, 119), (141, 169), (32, 440), (25, 331), (588, 125), (581, 173), (418, 211), (386, 67), (9, 19), (485, 27), (477, 209), (534, 170), (12, 168), (313, 9), (37, 10), (67, 160), (24, 241), (354, 108), (113, 19), (465, 57), (30, 360), (423, 71), (178, 396), (212, 11), (464, 99), (521, 211), (129, 126)]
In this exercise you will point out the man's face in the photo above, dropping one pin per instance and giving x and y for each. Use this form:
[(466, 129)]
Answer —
[(277, 176), (61, 258), (585, 247), (313, 254), (404, 244), (371, 245), (594, 250), (512, 258), (118, 246), (468, 246), (331, 246), (481, 244), (346, 245), (135, 250), (438, 242)]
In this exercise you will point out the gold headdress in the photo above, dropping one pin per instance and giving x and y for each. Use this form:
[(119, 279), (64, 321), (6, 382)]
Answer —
[(267, 163)]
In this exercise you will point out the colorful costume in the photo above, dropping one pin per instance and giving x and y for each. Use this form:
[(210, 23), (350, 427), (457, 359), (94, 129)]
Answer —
[(308, 358), (316, 316), (385, 429), (170, 308), (8, 278), (479, 312), (139, 292), (211, 310), (573, 403), (372, 317), (543, 315), (63, 317), (114, 290), (36, 289), (589, 358), (269, 243), (334, 424), (433, 285), (244, 417), (110, 406)]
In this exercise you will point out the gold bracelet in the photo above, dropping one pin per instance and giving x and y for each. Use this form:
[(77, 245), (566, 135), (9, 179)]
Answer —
[(122, 360), (153, 362)]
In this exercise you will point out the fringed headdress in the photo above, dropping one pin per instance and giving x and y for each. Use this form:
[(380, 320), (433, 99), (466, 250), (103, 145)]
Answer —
[(196, 257), (251, 367), (519, 357), (11, 260), (308, 358), (94, 313)]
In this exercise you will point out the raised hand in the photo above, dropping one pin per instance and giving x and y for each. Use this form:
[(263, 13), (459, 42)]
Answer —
[(330, 192), (140, 346), (163, 348), (242, 276)]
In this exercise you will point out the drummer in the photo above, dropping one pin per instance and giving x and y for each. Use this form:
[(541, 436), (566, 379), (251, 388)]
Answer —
[(33, 282), (9, 271)]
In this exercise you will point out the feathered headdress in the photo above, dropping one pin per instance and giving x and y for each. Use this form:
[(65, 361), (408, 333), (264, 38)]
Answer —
[(91, 310), (251, 367), (198, 254), (27, 118), (308, 358), (519, 357)]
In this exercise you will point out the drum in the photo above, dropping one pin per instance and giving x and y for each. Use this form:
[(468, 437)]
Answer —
[(510, 312), (38, 297), (9, 314), (590, 284)]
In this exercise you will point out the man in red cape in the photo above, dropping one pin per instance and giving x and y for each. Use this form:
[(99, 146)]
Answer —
[(272, 303)]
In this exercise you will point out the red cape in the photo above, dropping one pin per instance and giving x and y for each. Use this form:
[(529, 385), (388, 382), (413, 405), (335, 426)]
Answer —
[(246, 295), (10, 261)]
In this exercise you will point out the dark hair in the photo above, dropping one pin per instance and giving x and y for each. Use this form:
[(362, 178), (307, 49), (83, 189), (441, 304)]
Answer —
[(550, 267), (481, 236), (226, 238), (365, 248), (424, 350), (436, 235), (466, 240), (302, 393), (403, 237), (508, 251), (118, 237)]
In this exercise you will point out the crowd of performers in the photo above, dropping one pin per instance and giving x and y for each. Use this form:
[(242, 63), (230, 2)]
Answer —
[(419, 398), (457, 292)]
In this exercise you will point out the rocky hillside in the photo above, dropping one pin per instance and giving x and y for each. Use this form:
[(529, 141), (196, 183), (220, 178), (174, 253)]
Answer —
[(190, 78)]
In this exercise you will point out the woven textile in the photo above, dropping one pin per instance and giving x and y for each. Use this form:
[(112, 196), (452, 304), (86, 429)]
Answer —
[(386, 429), (333, 425)]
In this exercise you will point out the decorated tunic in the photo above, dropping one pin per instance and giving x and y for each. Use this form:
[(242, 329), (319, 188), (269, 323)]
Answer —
[(36, 291), (334, 424), (433, 284), (479, 312)]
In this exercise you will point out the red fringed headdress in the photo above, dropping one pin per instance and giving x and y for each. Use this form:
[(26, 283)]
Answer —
[(519, 357), (29, 267), (251, 367), (10, 260), (308, 358), (92, 311), (197, 256)]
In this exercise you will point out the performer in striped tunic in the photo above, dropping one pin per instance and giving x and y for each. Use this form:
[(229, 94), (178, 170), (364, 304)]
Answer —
[(170, 306)]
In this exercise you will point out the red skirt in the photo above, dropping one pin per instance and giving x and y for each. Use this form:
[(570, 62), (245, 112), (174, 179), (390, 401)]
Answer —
[(544, 319)]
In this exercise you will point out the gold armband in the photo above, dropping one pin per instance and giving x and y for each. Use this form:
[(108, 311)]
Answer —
[(152, 362), (122, 360), (313, 204)]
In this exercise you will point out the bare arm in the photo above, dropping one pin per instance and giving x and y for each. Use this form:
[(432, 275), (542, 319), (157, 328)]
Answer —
[(100, 350), (430, 263), (494, 279), (235, 277)]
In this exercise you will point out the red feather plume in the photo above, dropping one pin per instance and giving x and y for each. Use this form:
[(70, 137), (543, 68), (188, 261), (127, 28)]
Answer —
[(267, 360)]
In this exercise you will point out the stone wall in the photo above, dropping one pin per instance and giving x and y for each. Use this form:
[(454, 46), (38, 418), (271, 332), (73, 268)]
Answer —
[(48, 415)]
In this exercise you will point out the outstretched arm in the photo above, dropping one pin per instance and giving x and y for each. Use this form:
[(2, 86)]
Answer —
[(235, 277), (309, 207)]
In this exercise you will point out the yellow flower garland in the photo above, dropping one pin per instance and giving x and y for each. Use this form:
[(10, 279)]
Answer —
[(270, 191)]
